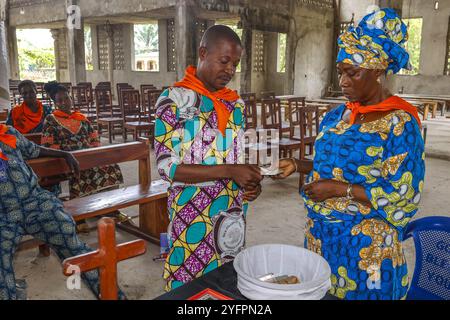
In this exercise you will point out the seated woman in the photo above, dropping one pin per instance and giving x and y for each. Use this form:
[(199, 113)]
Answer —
[(29, 116), (367, 177), (70, 131)]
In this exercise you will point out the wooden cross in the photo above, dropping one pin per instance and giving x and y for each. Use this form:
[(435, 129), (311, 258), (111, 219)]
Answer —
[(106, 258)]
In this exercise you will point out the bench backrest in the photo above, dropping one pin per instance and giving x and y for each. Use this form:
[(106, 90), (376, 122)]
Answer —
[(52, 168), (34, 137)]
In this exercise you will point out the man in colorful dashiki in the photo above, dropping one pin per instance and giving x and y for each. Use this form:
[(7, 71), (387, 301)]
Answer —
[(29, 116), (27, 209), (367, 176), (71, 131), (198, 126)]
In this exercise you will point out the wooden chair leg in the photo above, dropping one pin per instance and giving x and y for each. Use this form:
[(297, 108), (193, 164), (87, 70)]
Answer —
[(44, 250), (301, 181), (110, 132)]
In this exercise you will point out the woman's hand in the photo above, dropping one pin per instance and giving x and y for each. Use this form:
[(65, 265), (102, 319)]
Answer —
[(252, 195), (322, 190), (288, 166), (248, 177), (73, 164)]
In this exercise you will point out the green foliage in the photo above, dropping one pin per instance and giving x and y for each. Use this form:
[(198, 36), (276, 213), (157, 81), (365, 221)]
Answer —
[(146, 38), (281, 65), (88, 48), (413, 44), (36, 57)]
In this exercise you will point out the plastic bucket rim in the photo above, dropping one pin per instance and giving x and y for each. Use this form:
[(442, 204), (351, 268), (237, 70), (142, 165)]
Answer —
[(281, 287)]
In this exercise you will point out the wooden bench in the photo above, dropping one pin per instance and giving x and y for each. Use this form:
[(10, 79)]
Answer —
[(151, 197), (34, 137)]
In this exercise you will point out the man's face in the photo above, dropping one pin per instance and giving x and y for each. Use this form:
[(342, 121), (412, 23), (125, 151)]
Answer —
[(218, 64), (357, 83), (28, 94)]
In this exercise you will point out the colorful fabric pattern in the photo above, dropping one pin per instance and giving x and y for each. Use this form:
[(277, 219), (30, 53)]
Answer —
[(72, 135), (364, 245), (27, 209), (376, 43), (207, 220), (37, 129)]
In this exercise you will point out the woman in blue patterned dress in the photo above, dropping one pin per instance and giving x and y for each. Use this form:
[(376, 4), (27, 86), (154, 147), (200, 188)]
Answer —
[(366, 179)]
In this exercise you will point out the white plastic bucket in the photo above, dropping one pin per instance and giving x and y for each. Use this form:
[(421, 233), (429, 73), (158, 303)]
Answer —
[(312, 270)]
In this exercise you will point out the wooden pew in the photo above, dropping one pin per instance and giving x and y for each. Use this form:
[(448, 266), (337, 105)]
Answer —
[(34, 137), (3, 116), (151, 197)]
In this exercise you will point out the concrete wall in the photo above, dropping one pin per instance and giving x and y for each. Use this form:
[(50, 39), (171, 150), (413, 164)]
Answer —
[(136, 78), (37, 12), (314, 52), (275, 81), (359, 7), (431, 79)]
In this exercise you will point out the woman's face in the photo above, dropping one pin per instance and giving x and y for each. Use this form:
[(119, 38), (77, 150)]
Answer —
[(63, 101), (28, 94), (358, 84)]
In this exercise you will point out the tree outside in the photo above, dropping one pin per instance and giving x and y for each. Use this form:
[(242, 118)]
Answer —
[(88, 48), (146, 47), (281, 61), (413, 44), (36, 54)]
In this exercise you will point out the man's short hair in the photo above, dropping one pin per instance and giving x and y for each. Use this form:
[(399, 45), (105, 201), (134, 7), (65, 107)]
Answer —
[(217, 33)]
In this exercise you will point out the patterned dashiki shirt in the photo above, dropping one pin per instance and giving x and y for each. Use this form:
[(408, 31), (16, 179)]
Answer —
[(207, 221)]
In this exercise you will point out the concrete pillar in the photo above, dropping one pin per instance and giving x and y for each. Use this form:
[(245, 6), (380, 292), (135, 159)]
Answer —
[(4, 63), (76, 52), (110, 33), (163, 45), (185, 35), (94, 39), (13, 53), (55, 35), (246, 61), (395, 4)]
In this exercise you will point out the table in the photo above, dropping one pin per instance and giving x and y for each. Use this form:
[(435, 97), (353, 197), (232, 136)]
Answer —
[(222, 280)]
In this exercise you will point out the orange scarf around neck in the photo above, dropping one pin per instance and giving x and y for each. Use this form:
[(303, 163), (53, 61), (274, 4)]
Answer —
[(24, 119), (8, 139), (392, 103), (191, 81), (74, 116)]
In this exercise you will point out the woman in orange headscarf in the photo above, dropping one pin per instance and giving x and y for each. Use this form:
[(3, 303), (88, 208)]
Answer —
[(366, 179), (70, 131), (29, 116)]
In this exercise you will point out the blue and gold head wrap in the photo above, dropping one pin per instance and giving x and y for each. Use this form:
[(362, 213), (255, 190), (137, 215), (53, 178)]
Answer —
[(376, 43)]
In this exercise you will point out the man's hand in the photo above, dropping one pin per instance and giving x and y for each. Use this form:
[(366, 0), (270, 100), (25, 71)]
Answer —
[(73, 164), (322, 190), (248, 177), (252, 195)]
